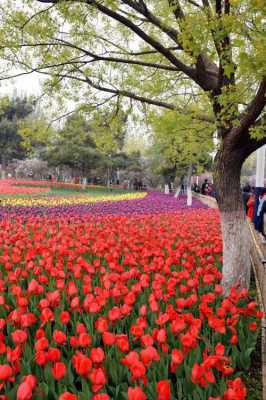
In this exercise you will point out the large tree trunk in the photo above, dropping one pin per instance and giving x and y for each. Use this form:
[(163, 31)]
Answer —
[(236, 240)]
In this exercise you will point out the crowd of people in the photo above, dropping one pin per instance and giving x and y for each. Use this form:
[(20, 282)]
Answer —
[(255, 211), (207, 188)]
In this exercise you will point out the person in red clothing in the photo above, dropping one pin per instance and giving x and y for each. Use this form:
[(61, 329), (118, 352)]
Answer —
[(250, 207)]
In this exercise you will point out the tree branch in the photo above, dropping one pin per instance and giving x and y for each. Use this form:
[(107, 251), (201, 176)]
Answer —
[(177, 9), (145, 52), (131, 95), (194, 3), (118, 92), (97, 57), (189, 71), (143, 10), (146, 100), (75, 110), (36, 15), (254, 109), (199, 75), (240, 134)]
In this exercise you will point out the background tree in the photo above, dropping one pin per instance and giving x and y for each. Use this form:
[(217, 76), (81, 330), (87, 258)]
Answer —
[(74, 146), (12, 112), (183, 145), (172, 54), (33, 168), (108, 127)]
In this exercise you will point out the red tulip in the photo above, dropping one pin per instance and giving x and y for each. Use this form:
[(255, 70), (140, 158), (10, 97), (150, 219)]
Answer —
[(59, 337), (5, 372), (236, 390), (108, 338), (136, 393), (19, 336), (58, 370), (64, 317), (101, 324), (163, 390), (100, 396), (68, 396), (24, 391), (53, 354), (97, 355), (98, 379), (41, 344), (82, 364), (84, 340)]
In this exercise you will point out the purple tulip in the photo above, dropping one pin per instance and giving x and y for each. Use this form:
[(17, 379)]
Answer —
[(153, 203)]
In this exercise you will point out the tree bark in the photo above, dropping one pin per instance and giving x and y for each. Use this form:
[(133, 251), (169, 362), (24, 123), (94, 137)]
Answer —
[(236, 240)]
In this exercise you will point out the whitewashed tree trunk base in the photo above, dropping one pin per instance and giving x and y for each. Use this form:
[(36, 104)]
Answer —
[(189, 192), (189, 196), (177, 193), (236, 249)]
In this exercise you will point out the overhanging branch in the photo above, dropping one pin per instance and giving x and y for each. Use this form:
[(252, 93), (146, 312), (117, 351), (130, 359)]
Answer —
[(254, 109), (142, 8), (239, 135)]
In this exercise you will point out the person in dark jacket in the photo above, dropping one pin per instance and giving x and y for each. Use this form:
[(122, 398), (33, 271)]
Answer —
[(205, 187)]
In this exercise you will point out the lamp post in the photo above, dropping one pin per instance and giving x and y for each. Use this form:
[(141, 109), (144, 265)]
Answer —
[(260, 166)]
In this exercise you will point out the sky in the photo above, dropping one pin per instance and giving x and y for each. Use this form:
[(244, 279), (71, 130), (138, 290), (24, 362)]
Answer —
[(23, 85)]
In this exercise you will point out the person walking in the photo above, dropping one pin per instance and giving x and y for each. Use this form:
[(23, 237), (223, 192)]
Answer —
[(205, 187), (250, 207)]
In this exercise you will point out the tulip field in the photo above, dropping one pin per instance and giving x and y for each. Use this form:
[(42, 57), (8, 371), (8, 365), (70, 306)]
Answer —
[(117, 297)]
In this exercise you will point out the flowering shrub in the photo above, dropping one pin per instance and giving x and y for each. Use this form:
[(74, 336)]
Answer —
[(120, 307)]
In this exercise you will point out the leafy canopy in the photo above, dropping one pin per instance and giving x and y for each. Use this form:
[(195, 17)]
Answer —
[(203, 59), (181, 143)]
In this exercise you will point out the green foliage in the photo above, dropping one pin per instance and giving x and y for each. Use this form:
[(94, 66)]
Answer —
[(109, 130), (12, 113), (74, 146), (180, 142), (35, 133), (258, 132), (67, 43)]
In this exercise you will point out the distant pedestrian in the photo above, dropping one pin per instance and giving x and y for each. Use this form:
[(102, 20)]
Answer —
[(205, 187), (182, 186), (250, 207), (196, 188)]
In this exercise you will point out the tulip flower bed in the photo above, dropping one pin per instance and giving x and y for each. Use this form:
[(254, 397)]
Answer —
[(17, 195), (151, 203), (54, 185), (53, 201), (18, 185), (8, 187), (120, 307)]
